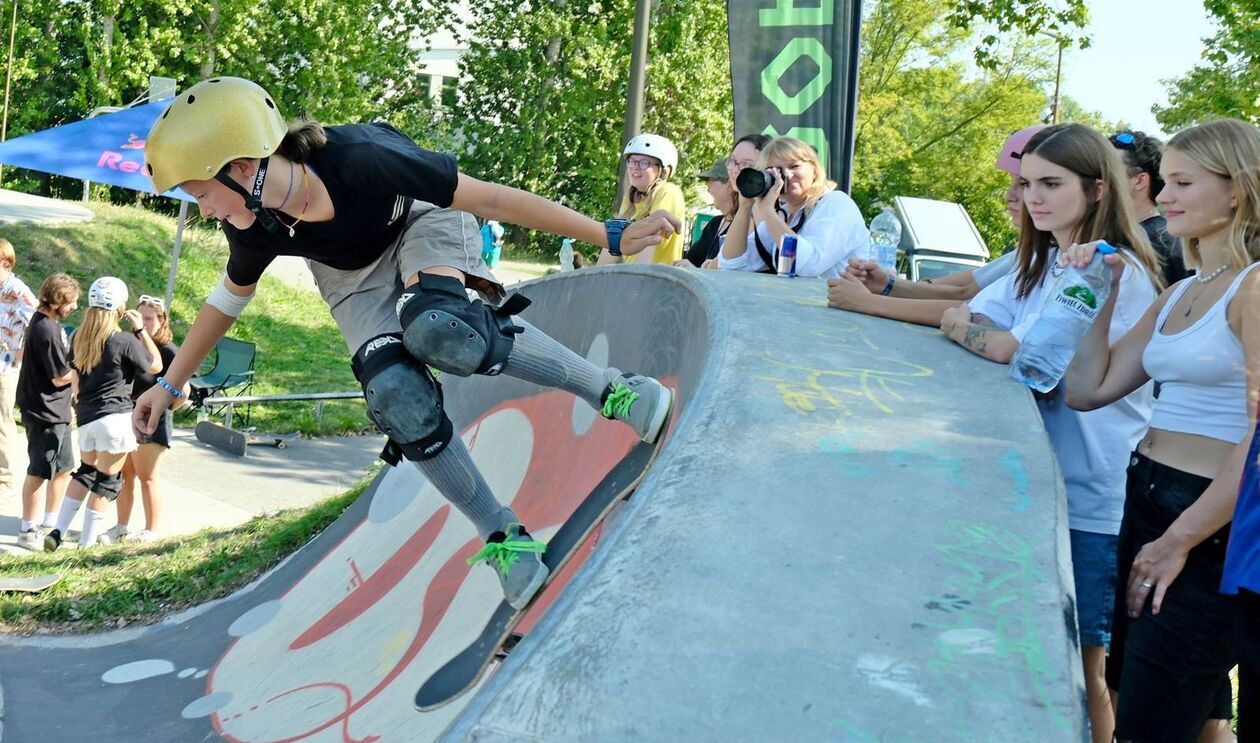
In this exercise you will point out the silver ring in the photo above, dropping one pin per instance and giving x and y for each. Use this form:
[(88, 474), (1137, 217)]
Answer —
[(1147, 584)]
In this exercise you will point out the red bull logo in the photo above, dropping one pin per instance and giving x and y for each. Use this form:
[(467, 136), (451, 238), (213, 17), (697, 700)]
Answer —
[(119, 161)]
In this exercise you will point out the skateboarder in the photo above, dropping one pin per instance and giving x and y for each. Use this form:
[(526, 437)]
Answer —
[(106, 360), (376, 217)]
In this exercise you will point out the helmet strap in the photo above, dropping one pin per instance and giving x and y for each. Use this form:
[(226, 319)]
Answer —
[(253, 201)]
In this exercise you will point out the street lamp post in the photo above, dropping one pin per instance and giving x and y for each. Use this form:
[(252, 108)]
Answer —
[(1058, 73), (8, 78)]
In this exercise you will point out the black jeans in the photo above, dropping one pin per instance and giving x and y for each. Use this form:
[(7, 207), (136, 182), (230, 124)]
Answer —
[(1171, 669)]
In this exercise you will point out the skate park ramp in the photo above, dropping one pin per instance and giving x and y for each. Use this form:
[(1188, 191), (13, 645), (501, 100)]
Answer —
[(854, 532)]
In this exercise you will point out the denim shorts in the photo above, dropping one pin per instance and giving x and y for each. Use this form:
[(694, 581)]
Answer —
[(1171, 669), (1094, 570)]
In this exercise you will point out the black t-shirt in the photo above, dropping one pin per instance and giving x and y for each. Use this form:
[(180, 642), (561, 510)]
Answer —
[(707, 245), (107, 388), (144, 380), (1168, 248), (46, 355), (373, 173)]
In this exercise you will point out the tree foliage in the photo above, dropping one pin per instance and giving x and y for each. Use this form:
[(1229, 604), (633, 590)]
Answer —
[(1227, 82)]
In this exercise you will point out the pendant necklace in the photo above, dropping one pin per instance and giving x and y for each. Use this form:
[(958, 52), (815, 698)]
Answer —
[(305, 201), (1201, 279)]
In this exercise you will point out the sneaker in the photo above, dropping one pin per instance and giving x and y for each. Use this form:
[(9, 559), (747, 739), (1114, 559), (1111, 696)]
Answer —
[(116, 533), (641, 402), (517, 558), (145, 536), (31, 539), (52, 540)]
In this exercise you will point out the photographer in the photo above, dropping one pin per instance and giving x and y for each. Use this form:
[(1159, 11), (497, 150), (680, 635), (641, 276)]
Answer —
[(794, 197)]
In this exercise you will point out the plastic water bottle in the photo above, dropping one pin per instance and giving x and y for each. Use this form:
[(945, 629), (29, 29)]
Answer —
[(566, 254), (885, 236), (1068, 313)]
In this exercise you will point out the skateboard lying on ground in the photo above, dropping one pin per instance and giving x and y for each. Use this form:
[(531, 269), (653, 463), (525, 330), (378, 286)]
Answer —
[(236, 442), (33, 584), (463, 671)]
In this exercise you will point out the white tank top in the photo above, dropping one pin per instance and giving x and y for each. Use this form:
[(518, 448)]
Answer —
[(1201, 371)]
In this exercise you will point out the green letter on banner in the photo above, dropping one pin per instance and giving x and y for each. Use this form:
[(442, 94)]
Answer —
[(812, 136), (795, 105), (784, 13)]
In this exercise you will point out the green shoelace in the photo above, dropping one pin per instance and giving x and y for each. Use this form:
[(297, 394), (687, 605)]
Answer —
[(618, 403), (503, 555)]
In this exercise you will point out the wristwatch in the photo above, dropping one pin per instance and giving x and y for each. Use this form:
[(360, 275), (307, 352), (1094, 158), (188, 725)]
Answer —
[(614, 228)]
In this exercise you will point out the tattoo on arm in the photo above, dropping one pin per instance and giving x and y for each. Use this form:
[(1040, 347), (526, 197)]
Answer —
[(974, 339), (982, 320)]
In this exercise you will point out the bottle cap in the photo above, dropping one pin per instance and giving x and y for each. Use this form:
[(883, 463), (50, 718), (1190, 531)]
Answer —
[(1106, 248)]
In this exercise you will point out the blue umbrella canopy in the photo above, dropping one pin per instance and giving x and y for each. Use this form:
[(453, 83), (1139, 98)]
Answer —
[(104, 149)]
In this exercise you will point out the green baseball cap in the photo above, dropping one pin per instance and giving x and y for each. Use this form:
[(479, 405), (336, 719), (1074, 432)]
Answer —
[(715, 173)]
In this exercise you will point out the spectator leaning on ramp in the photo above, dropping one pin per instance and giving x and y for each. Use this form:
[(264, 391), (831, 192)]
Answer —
[(366, 207)]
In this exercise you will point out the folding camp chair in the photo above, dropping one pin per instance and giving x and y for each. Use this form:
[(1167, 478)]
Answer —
[(233, 372)]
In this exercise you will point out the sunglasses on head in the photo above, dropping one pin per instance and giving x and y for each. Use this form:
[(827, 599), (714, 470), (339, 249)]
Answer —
[(154, 301)]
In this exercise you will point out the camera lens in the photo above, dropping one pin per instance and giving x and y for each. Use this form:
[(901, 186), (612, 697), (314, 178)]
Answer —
[(753, 182)]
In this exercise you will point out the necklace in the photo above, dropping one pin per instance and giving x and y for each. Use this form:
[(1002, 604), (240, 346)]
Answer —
[(305, 202), (1201, 279), (288, 193)]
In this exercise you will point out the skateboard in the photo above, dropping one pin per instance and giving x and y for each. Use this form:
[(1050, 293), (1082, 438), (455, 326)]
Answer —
[(34, 584), (221, 437), (237, 442), (462, 672)]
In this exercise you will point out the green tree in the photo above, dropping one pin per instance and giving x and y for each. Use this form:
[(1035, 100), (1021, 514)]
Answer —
[(544, 90), (1226, 83)]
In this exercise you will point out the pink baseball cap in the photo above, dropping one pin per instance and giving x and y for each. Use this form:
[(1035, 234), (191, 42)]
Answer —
[(1013, 147)]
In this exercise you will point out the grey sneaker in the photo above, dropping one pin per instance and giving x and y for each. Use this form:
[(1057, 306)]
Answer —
[(517, 558), (31, 539), (116, 533), (640, 402), (52, 540)]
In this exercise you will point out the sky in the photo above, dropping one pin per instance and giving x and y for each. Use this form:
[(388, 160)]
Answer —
[(1135, 45)]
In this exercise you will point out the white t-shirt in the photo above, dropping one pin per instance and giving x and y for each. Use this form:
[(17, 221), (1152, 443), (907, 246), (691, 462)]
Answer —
[(996, 269), (1092, 447), (833, 233), (17, 304)]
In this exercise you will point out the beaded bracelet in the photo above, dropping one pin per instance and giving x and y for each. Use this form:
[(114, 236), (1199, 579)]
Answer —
[(161, 382)]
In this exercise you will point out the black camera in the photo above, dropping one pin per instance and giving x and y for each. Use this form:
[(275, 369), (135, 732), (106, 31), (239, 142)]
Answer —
[(753, 183)]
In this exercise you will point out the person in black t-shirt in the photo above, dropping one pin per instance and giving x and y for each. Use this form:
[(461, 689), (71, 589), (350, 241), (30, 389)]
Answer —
[(388, 231), (709, 243), (1142, 155), (142, 464), (106, 361), (43, 398)]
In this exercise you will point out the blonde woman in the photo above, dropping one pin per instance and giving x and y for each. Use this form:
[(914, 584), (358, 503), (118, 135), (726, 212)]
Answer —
[(1173, 631), (142, 464), (801, 201), (105, 361), (650, 162)]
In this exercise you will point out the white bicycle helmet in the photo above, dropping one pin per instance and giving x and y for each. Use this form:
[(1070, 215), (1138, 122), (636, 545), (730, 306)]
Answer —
[(108, 293), (655, 146)]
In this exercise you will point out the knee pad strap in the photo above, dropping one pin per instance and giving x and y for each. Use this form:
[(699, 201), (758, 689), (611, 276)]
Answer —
[(442, 328), (403, 400), (108, 486), (86, 476)]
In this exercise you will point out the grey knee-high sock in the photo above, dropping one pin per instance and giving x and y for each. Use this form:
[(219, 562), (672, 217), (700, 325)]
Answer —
[(537, 357), (455, 476)]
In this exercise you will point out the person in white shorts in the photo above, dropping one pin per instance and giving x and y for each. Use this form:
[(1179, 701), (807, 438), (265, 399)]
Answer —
[(106, 361)]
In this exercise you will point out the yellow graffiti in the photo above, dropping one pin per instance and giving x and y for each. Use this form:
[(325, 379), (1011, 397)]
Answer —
[(806, 390)]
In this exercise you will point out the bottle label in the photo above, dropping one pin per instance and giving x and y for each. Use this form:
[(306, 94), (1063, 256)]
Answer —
[(1079, 300)]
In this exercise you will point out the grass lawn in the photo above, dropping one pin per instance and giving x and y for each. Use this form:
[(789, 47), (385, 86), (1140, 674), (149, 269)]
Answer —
[(110, 587)]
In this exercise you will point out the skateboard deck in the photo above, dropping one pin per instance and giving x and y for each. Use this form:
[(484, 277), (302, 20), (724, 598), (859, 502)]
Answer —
[(278, 440), (34, 584), (221, 437), (462, 672)]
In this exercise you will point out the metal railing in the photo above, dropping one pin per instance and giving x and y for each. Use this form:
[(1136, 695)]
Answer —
[(229, 403)]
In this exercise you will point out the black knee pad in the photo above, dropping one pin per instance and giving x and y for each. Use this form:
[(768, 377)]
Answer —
[(403, 399), (86, 476), (443, 329), (108, 486)]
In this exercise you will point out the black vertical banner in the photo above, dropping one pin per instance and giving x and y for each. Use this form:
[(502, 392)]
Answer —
[(794, 67)]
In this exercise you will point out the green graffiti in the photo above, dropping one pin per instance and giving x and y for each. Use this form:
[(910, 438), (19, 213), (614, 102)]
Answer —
[(785, 13), (1084, 294), (795, 105)]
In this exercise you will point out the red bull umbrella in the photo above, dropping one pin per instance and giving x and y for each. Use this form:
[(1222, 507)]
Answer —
[(105, 149)]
